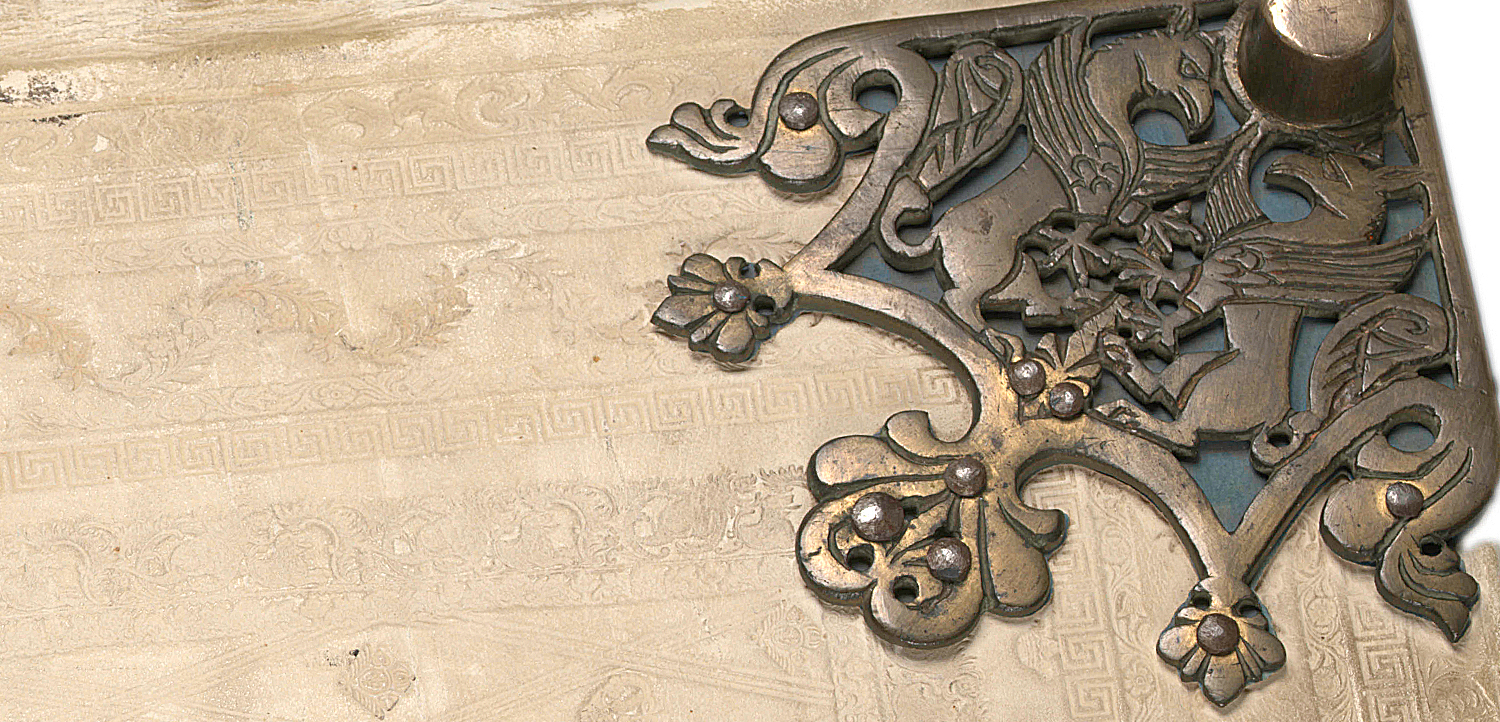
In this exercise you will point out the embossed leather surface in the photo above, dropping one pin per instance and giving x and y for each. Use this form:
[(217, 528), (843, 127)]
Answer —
[(332, 395)]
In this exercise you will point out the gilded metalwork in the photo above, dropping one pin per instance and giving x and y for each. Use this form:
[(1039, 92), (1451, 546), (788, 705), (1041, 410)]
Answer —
[(1082, 290)]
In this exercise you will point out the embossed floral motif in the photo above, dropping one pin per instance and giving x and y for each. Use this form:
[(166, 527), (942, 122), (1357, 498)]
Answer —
[(725, 309), (1221, 639), (790, 638), (287, 304), (171, 359), (622, 696), (376, 679), (41, 330)]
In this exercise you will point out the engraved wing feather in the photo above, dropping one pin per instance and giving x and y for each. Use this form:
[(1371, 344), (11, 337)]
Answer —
[(1173, 171), (1319, 275), (1230, 204), (974, 115), (1067, 131)]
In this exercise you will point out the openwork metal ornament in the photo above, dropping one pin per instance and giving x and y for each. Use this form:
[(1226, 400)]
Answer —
[(1117, 299)]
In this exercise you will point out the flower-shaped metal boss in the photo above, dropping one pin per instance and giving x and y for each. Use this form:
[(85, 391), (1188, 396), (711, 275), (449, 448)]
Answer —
[(725, 309), (1221, 638)]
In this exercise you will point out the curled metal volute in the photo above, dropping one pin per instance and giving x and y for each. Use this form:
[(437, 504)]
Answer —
[(1078, 294)]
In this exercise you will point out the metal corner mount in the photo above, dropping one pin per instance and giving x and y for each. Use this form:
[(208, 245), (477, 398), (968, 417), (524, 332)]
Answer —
[(1122, 301)]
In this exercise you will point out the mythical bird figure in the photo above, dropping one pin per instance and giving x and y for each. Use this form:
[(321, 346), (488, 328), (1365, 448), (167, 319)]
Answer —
[(1087, 178), (1262, 279), (1094, 235)]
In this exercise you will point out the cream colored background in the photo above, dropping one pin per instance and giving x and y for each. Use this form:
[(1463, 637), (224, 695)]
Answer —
[(1456, 38), (330, 335)]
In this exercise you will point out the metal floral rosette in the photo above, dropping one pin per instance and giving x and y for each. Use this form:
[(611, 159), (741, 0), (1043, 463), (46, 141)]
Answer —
[(1121, 301)]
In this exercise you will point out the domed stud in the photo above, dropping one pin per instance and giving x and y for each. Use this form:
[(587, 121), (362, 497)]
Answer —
[(1319, 62), (966, 477), (949, 560), (1066, 400), (799, 111), (1027, 377), (730, 297), (1218, 634), (878, 517), (1403, 500)]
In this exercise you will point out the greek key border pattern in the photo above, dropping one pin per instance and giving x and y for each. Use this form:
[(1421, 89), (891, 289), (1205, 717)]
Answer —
[(277, 184), (493, 422)]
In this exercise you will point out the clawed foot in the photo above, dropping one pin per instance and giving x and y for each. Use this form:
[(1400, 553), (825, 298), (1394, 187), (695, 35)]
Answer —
[(1157, 326), (1156, 282), (1116, 356), (1132, 418)]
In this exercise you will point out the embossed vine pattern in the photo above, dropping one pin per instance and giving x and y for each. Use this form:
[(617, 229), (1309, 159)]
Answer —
[(280, 304)]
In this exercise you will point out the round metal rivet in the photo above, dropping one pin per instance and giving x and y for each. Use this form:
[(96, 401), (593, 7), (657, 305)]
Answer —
[(949, 560), (1218, 634), (1066, 400), (799, 111), (731, 297), (1403, 500), (1027, 377), (966, 477), (878, 517)]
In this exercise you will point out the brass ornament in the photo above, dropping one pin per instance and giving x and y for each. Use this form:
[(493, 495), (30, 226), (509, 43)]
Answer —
[(1081, 293)]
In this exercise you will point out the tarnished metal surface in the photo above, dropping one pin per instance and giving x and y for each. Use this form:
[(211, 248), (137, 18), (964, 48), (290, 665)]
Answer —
[(1121, 304)]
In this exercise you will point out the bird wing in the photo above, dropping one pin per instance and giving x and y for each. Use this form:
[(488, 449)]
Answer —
[(1229, 203), (1084, 153), (974, 114), (1171, 171), (1327, 277)]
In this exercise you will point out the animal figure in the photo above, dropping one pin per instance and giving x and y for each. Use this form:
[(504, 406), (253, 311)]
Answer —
[(1262, 279), (1087, 174)]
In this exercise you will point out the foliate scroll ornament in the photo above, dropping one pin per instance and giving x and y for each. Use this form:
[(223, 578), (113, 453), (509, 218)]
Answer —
[(1079, 295), (173, 358), (920, 536)]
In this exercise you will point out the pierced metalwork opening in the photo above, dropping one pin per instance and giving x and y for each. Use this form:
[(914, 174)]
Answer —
[(1147, 251)]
